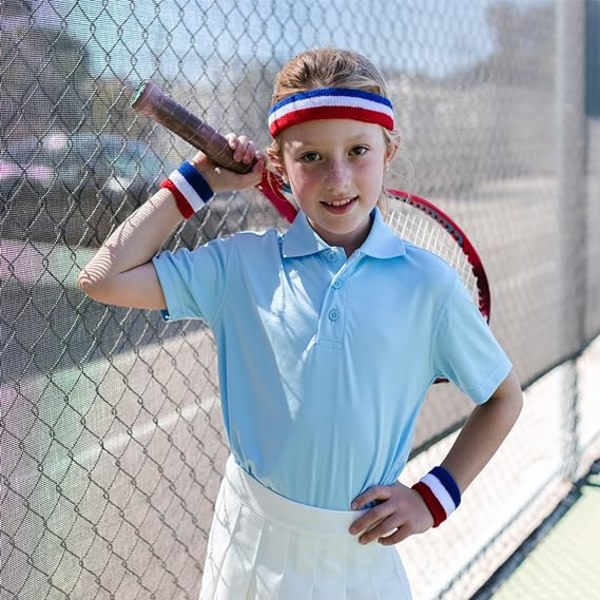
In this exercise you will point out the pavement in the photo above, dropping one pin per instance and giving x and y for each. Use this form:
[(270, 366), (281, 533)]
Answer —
[(561, 559)]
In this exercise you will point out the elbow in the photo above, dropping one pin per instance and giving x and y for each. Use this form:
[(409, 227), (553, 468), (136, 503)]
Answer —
[(86, 283), (514, 403), (517, 396), (90, 285), (508, 400)]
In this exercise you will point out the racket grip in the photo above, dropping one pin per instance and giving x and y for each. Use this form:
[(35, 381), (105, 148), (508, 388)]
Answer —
[(149, 100)]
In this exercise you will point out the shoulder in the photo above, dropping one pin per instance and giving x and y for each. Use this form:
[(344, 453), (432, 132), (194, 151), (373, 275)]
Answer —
[(250, 245), (224, 250), (241, 242), (429, 268), (251, 239)]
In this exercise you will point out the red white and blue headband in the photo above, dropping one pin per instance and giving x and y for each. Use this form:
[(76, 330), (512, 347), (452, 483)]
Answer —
[(330, 103)]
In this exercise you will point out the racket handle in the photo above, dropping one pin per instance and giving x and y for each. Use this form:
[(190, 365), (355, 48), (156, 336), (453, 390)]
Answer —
[(149, 100)]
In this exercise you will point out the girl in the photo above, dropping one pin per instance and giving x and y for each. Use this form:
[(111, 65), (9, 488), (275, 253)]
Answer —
[(328, 338)]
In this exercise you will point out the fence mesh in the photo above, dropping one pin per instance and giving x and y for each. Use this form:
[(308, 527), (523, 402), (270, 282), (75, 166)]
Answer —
[(112, 445)]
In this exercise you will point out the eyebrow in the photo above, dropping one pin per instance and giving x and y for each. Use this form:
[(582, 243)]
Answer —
[(360, 137)]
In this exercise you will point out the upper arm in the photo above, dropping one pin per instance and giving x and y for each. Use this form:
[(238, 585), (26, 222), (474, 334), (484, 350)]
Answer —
[(509, 389), (137, 288), (465, 350)]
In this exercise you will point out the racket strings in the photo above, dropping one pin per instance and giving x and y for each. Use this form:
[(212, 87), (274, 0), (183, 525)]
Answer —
[(413, 226)]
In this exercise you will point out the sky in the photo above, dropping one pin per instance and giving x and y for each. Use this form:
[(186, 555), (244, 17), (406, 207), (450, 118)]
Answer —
[(132, 39)]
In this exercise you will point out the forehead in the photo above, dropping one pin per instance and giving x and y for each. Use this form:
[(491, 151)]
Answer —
[(331, 132)]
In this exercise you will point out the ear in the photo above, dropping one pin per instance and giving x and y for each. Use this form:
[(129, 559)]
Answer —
[(277, 165), (390, 151)]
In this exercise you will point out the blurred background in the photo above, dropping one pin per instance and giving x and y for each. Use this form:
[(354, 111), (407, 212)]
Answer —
[(111, 439)]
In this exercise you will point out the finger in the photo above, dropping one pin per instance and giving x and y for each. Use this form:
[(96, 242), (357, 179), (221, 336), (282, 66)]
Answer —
[(383, 528), (395, 538), (237, 145), (232, 139), (240, 148), (370, 519), (377, 492), (250, 152)]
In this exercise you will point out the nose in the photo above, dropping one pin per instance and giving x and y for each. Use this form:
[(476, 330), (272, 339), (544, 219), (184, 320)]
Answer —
[(336, 174)]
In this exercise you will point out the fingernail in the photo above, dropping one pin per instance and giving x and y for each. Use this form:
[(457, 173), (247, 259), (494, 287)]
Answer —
[(354, 505)]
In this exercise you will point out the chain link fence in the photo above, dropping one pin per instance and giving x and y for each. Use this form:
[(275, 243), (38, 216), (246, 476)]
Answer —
[(111, 439)]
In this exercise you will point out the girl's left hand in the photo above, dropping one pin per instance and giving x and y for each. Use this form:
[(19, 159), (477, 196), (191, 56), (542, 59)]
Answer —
[(400, 512)]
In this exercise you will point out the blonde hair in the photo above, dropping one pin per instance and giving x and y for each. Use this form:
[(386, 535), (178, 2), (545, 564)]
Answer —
[(330, 67)]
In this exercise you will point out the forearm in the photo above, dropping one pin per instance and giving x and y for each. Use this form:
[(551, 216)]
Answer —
[(135, 241), (484, 432)]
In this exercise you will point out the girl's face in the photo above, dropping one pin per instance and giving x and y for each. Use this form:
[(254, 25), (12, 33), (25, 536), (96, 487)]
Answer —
[(335, 168)]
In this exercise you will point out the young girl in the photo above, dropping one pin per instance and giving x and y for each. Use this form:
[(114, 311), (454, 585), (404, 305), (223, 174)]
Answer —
[(328, 338)]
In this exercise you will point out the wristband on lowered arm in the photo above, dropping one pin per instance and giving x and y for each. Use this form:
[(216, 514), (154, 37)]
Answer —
[(190, 189), (440, 493)]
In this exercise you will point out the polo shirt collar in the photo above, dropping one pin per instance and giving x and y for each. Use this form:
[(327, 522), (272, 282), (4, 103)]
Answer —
[(382, 242), (302, 240)]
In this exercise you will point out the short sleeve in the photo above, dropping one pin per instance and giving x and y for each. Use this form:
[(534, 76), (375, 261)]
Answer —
[(465, 350), (193, 282)]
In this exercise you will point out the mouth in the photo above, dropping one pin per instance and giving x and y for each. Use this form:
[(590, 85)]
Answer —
[(339, 205)]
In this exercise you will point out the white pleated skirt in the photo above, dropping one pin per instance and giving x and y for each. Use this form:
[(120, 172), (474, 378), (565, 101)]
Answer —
[(263, 546)]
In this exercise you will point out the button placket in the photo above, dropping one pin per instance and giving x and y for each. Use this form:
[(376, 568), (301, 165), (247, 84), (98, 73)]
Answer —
[(332, 322)]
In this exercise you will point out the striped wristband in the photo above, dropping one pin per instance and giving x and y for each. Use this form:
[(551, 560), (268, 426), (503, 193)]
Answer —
[(190, 189), (439, 492)]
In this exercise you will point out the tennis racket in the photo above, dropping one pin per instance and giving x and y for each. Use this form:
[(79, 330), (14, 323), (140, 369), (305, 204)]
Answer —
[(414, 219)]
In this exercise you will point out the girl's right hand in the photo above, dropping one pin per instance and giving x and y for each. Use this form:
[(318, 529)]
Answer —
[(223, 180)]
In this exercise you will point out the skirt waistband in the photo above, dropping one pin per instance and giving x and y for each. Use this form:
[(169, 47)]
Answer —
[(287, 513)]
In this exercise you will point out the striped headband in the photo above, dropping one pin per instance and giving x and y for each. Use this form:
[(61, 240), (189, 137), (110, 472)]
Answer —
[(330, 103)]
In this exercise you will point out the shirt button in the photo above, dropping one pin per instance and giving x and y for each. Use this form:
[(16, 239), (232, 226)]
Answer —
[(331, 256), (337, 284), (334, 314)]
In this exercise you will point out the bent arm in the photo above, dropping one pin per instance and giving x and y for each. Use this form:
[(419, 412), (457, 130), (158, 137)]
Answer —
[(121, 273), (484, 432)]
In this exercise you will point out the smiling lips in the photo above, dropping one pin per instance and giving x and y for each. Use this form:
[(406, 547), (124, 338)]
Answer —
[(339, 206)]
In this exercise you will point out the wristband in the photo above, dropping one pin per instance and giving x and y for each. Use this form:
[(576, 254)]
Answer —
[(440, 493), (190, 189)]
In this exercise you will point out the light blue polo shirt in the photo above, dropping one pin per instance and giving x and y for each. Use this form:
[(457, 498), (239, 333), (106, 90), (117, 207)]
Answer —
[(324, 361)]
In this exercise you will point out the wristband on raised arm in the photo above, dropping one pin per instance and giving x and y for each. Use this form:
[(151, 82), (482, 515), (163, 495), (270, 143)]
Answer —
[(190, 189)]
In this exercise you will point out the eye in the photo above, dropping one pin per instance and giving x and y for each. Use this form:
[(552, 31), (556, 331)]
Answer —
[(310, 157), (359, 150)]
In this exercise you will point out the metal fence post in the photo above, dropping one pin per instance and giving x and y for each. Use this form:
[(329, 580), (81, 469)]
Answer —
[(570, 169)]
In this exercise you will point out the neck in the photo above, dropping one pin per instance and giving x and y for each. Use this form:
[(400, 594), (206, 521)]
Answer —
[(349, 242)]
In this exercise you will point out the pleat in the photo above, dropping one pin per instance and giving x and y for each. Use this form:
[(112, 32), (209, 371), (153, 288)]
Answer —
[(390, 580), (240, 559), (376, 590), (300, 567), (271, 561), (359, 576), (330, 580), (219, 542)]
